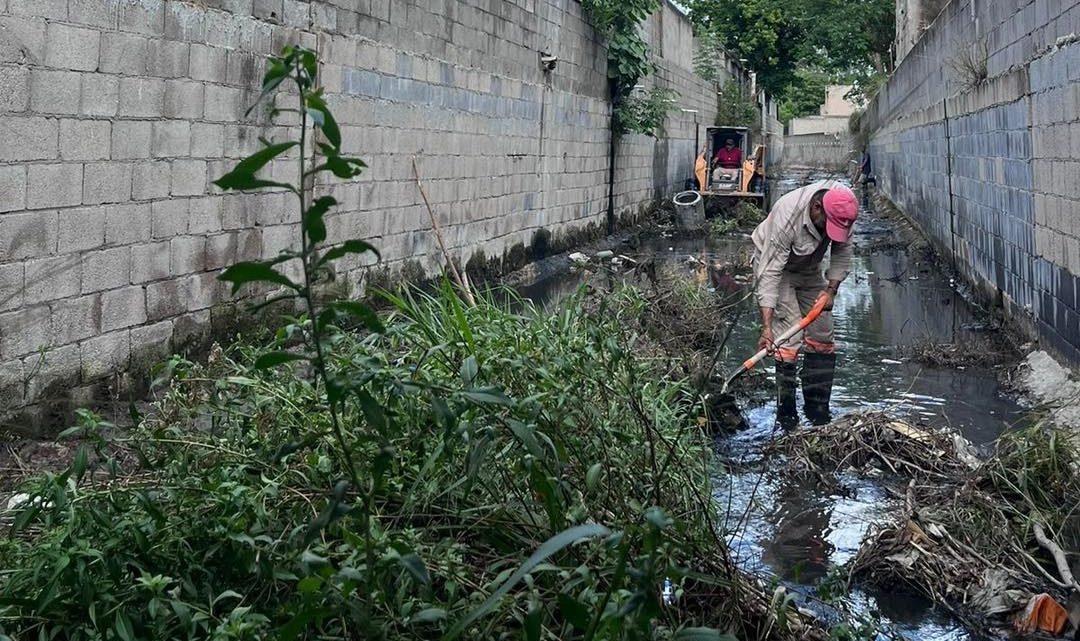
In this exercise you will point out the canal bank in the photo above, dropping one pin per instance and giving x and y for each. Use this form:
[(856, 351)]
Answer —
[(914, 345)]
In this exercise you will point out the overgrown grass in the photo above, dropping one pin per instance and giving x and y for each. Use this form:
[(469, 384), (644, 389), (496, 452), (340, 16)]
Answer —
[(541, 480), (744, 216)]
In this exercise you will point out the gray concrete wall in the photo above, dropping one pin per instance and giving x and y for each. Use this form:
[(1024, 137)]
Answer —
[(817, 151), (990, 172), (117, 114), (773, 134)]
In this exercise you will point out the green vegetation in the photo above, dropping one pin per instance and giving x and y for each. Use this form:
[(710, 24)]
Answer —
[(456, 471), (646, 113), (734, 109), (743, 216), (519, 471), (628, 63), (798, 47)]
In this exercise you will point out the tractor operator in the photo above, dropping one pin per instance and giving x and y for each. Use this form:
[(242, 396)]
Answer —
[(729, 156), (790, 245)]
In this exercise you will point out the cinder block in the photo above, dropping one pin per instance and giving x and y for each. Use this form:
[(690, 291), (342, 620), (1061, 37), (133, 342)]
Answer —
[(100, 95), (185, 22), (187, 255), (131, 139), (149, 262), (107, 182), (183, 99), (12, 187), (221, 250), (81, 228), (241, 8), (271, 10), (222, 104), (54, 9), (54, 92), (72, 47), (22, 40), (167, 58), (123, 308), (204, 215), (104, 355), (151, 343), (207, 140), (28, 235), (123, 53), (324, 16), (144, 16), (106, 269), (74, 319), (14, 88), (52, 278), (171, 298), (55, 185), (241, 69), (142, 97), (85, 139), (239, 211), (168, 218), (11, 286), (171, 139), (207, 63), (93, 12), (127, 224), (188, 177), (297, 13), (28, 138), (24, 331), (150, 180)]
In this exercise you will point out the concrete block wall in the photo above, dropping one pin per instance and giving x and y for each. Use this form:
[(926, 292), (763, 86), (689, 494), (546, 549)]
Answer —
[(989, 171), (818, 150), (118, 114)]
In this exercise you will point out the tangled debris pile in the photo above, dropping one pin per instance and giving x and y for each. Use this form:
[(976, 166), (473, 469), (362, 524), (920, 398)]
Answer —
[(984, 352), (982, 538)]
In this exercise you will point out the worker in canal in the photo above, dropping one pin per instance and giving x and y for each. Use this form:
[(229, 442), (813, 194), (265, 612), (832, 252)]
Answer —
[(790, 248)]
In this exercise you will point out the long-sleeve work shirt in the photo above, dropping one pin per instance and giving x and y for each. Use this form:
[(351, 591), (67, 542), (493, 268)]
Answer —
[(787, 240)]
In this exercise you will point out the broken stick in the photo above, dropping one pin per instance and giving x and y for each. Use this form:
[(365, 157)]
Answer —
[(1059, 555), (462, 284)]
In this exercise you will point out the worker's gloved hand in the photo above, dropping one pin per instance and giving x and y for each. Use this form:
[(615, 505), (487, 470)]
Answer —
[(825, 294), (766, 342)]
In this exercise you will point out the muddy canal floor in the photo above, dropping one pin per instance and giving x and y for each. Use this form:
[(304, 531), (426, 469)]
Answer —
[(911, 344)]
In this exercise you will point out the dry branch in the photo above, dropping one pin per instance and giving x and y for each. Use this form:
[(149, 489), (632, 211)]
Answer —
[(1055, 551), (458, 279)]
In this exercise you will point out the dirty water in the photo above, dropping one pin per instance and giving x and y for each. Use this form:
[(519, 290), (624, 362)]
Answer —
[(796, 535)]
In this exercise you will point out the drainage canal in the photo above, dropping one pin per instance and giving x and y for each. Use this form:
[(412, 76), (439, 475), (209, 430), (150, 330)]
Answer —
[(895, 302)]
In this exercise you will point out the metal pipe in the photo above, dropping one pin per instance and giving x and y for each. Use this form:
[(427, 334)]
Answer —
[(611, 165)]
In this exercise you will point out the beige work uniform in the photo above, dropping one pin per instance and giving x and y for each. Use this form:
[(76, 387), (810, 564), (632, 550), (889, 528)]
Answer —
[(789, 251)]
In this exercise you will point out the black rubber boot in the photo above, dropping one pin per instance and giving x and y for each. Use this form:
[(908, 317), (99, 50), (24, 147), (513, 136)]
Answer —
[(786, 414), (817, 381)]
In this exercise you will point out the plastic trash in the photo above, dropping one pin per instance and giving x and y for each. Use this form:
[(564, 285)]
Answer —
[(1043, 614), (579, 258), (668, 593)]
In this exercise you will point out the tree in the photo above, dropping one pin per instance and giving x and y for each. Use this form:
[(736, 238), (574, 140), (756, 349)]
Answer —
[(761, 31), (797, 46)]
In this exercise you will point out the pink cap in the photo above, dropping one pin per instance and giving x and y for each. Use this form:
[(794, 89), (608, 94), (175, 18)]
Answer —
[(841, 210)]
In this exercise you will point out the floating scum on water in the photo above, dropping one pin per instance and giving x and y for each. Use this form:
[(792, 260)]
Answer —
[(981, 537)]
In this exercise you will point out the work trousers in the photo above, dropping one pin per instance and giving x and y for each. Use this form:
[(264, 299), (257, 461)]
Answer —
[(798, 292)]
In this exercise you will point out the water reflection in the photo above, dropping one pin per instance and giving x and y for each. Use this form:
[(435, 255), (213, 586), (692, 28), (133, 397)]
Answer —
[(892, 299)]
